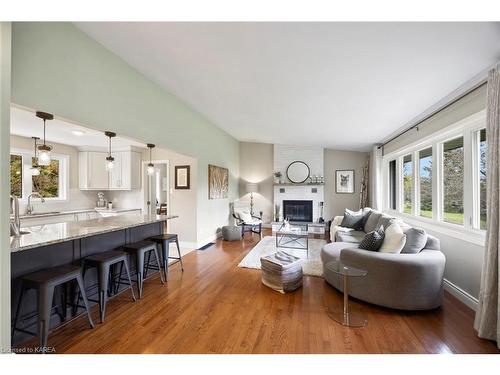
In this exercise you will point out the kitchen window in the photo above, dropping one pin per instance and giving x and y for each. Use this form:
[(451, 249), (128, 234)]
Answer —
[(52, 183)]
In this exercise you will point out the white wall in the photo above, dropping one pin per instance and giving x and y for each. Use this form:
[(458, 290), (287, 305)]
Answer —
[(286, 154), (5, 50)]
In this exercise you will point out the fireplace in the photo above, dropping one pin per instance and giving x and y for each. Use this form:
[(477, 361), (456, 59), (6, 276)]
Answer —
[(298, 210)]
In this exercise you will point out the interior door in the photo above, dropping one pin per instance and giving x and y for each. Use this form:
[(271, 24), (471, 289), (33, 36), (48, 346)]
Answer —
[(157, 188)]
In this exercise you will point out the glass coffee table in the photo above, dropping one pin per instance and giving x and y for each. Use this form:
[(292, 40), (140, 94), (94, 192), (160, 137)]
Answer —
[(344, 316), (294, 237)]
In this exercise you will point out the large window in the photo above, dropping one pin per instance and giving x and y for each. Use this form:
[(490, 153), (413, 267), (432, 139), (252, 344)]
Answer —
[(425, 181), (441, 179), (16, 175), (453, 181), (51, 183), (407, 184), (392, 184), (47, 182)]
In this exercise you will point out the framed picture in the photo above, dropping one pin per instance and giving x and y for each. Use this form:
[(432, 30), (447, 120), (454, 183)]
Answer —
[(344, 181), (182, 177), (218, 182)]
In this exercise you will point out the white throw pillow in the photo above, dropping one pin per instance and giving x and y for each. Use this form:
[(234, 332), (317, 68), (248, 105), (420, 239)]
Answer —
[(394, 240), (245, 216)]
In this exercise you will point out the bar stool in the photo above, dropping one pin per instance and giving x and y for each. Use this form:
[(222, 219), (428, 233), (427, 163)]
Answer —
[(45, 281), (138, 250), (103, 262), (164, 240)]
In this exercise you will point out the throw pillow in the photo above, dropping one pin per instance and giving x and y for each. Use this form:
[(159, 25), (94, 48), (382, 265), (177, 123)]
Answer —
[(245, 216), (352, 219), (385, 221), (415, 241), (373, 240), (394, 240), (371, 221)]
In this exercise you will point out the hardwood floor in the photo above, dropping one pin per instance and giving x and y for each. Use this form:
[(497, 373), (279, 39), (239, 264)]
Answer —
[(216, 307)]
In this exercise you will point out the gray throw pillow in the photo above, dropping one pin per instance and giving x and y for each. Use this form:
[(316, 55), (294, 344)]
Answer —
[(373, 240), (415, 241), (352, 220), (385, 221), (371, 221)]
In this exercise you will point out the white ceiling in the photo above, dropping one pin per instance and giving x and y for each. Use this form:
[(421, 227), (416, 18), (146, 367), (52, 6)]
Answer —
[(339, 85), (25, 124)]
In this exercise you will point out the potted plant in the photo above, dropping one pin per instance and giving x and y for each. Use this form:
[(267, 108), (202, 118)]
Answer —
[(277, 177)]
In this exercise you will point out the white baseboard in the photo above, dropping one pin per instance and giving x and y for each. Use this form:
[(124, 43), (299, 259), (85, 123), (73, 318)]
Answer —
[(208, 240), (461, 295)]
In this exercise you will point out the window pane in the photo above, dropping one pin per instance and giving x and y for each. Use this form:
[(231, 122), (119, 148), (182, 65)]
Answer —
[(407, 183), (47, 183), (392, 184), (16, 175), (425, 171), (483, 148), (453, 181)]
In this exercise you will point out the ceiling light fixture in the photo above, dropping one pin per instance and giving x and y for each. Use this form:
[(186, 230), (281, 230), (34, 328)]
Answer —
[(110, 161), (151, 166), (44, 157), (35, 169), (78, 133)]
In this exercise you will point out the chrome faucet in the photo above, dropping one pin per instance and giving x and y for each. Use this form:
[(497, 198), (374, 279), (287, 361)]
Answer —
[(29, 207), (15, 226)]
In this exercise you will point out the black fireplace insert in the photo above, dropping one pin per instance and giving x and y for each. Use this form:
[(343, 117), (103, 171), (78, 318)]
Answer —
[(298, 210)]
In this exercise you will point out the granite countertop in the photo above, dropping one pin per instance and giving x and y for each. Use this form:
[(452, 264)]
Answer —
[(47, 234), (71, 212)]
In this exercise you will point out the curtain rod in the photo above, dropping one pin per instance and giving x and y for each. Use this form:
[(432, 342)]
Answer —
[(435, 112)]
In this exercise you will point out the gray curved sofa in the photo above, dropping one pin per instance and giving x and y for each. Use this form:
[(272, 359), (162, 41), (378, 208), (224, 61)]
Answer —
[(399, 281)]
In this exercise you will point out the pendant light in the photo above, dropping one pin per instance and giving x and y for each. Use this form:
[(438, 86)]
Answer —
[(44, 157), (151, 166), (35, 169), (110, 161)]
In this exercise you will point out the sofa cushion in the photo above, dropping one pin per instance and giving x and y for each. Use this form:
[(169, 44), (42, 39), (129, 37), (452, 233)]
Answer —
[(331, 251), (353, 236), (385, 221), (371, 221), (352, 219), (433, 243), (415, 241), (394, 240), (373, 240)]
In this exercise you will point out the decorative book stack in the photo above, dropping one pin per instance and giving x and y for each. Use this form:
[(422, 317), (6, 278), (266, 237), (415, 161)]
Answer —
[(281, 271)]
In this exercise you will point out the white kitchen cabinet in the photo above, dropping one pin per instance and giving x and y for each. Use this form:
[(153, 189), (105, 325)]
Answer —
[(92, 170), (125, 175)]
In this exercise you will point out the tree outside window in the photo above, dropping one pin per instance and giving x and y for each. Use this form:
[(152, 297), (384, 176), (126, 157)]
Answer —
[(407, 184), (16, 175), (47, 183), (453, 181), (483, 149), (425, 174)]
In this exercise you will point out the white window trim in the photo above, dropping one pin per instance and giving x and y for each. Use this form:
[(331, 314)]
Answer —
[(27, 185), (466, 128)]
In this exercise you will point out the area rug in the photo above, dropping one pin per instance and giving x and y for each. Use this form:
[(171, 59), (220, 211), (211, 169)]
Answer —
[(311, 264)]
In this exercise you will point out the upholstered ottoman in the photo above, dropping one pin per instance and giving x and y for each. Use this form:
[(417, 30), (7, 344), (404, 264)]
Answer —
[(231, 233), (281, 271)]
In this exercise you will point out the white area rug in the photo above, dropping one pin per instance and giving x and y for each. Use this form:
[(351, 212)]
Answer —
[(311, 264)]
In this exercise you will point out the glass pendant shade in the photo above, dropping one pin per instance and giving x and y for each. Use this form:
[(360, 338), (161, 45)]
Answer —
[(151, 169), (110, 163), (35, 171), (44, 157)]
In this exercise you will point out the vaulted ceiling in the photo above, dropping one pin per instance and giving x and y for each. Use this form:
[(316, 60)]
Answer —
[(338, 85)]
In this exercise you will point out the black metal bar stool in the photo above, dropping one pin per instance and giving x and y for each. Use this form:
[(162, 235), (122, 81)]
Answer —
[(138, 250), (104, 262), (45, 281), (164, 240)]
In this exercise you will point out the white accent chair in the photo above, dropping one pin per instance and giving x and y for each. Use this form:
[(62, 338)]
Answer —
[(247, 222)]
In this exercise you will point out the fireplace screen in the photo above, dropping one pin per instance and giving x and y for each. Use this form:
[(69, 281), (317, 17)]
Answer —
[(298, 211)]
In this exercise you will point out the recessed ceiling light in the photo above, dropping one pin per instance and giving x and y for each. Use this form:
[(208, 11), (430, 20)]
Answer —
[(78, 133)]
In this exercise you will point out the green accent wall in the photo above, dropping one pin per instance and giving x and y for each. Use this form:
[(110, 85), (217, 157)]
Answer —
[(59, 69)]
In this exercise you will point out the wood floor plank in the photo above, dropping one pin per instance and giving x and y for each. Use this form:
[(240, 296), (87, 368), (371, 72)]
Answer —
[(216, 307)]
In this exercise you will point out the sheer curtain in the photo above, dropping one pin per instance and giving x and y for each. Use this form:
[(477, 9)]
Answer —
[(375, 191), (487, 321)]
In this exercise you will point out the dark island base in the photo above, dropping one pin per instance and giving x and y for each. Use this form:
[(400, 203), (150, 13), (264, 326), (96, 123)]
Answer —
[(67, 252)]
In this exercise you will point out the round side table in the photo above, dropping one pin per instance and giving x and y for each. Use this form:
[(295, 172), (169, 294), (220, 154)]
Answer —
[(344, 316)]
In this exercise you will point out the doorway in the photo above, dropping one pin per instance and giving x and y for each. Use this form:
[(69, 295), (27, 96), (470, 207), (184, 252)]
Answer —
[(157, 188)]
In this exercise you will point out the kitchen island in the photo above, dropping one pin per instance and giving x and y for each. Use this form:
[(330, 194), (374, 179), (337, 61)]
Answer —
[(57, 244)]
